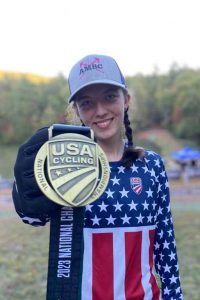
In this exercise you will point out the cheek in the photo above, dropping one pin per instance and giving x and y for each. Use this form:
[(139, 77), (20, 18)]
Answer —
[(85, 117), (120, 113)]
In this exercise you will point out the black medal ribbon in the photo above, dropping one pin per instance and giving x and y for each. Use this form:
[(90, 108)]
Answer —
[(66, 242), (60, 128), (65, 254)]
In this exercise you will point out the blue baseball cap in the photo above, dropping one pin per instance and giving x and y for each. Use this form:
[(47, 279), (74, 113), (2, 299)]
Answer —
[(94, 69)]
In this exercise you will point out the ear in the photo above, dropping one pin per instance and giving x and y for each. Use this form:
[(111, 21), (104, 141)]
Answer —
[(127, 101)]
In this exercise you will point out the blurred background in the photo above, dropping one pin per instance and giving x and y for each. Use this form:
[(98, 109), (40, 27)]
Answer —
[(156, 44)]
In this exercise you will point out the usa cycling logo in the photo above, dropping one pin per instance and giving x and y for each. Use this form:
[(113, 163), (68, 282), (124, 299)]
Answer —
[(136, 184), (95, 65)]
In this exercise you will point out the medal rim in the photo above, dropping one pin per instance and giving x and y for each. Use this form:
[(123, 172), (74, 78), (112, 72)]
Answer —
[(49, 192)]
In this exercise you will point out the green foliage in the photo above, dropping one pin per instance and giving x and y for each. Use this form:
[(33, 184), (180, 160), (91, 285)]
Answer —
[(169, 100), (188, 100), (26, 106)]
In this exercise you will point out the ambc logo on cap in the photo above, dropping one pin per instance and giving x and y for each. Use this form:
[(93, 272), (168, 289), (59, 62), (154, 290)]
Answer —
[(94, 65)]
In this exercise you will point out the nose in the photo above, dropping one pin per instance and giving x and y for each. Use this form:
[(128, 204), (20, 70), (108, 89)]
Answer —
[(100, 109)]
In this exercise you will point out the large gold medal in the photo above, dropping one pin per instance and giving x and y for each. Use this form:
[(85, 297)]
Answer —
[(71, 169)]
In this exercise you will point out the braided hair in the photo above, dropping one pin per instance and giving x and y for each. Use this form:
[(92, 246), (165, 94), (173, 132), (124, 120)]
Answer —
[(131, 153)]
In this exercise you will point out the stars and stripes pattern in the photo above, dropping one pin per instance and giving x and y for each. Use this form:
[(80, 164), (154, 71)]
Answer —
[(129, 235)]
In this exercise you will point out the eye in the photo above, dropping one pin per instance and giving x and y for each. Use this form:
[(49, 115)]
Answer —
[(111, 96), (84, 103)]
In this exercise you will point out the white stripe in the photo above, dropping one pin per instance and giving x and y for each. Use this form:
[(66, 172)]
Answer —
[(119, 260), (87, 267), (120, 229), (31, 220), (145, 265), (119, 265)]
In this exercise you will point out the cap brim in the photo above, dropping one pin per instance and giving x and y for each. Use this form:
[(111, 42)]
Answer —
[(109, 82)]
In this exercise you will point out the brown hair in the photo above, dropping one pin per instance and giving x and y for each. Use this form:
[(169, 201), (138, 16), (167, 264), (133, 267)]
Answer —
[(131, 153)]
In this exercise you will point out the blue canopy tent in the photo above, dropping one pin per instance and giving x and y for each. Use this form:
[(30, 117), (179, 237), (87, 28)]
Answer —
[(186, 154), (187, 158)]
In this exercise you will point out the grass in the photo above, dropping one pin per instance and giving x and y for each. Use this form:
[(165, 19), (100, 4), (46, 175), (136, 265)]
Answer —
[(7, 160), (24, 255), (187, 226), (23, 260)]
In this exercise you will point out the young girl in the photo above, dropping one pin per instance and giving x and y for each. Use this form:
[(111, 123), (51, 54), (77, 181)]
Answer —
[(128, 231)]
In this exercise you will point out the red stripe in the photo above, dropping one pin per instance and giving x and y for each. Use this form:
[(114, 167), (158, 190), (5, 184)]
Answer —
[(102, 266), (138, 188), (155, 289), (133, 275)]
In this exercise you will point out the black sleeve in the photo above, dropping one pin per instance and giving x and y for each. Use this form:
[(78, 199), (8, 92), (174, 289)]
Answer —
[(28, 199)]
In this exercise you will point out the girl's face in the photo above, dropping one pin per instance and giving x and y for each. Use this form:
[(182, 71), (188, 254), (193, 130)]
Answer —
[(101, 107)]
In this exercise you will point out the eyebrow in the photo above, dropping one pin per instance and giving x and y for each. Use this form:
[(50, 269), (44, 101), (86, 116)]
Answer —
[(112, 88), (81, 97)]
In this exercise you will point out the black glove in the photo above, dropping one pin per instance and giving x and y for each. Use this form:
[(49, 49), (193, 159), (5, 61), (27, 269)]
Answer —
[(27, 196)]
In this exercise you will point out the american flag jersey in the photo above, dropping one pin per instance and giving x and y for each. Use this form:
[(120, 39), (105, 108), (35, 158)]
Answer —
[(129, 236)]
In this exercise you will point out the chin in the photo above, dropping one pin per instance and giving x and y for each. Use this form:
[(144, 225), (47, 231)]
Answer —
[(106, 136)]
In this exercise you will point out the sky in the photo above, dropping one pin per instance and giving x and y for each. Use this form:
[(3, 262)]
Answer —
[(46, 37)]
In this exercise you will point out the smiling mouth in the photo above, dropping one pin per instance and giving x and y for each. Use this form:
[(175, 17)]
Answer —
[(104, 123)]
